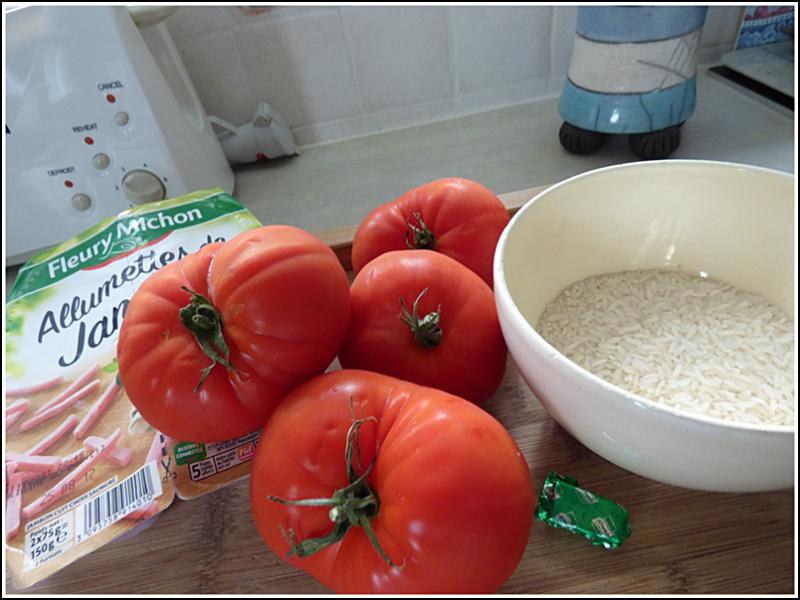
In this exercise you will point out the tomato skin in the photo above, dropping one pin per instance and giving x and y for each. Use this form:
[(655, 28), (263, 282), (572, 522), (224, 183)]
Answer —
[(470, 359), (456, 503), (283, 298), (465, 217)]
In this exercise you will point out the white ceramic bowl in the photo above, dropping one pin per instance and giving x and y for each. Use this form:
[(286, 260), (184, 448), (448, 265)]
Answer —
[(733, 222)]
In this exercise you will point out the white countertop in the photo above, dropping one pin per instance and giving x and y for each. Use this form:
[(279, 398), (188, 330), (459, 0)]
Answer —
[(335, 184)]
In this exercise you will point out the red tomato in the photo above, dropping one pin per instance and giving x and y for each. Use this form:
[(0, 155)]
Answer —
[(456, 344), (448, 498), (457, 217), (282, 299)]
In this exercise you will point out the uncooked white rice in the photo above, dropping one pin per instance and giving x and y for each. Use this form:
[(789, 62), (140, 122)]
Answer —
[(690, 342)]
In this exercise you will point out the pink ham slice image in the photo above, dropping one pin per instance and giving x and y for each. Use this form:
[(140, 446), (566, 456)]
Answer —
[(69, 482)]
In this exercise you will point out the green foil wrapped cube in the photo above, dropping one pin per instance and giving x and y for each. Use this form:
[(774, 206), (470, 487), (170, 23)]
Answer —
[(564, 505)]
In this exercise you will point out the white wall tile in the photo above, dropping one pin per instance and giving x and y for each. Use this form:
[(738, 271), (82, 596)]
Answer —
[(341, 72), (253, 13), (498, 45), (400, 54), (719, 33), (403, 116), (565, 19), (722, 25), (193, 20), (556, 85), (300, 65), (376, 122), (505, 95), (216, 70)]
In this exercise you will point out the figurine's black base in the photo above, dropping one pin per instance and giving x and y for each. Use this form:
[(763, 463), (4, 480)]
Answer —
[(647, 146), (580, 141), (656, 144)]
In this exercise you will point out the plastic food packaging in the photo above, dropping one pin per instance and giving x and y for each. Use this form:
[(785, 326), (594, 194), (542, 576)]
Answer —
[(82, 468)]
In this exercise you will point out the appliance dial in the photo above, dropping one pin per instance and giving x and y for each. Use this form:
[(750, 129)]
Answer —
[(142, 186)]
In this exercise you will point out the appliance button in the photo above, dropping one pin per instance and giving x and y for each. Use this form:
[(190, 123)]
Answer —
[(121, 118), (101, 161), (81, 202), (142, 186)]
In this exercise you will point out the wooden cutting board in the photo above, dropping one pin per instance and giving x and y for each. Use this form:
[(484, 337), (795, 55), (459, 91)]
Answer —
[(682, 542)]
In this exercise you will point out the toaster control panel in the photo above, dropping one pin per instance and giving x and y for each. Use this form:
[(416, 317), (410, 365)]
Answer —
[(113, 159), (100, 116), (109, 163)]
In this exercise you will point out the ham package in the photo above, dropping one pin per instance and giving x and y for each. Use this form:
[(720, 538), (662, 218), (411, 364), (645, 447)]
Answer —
[(81, 466)]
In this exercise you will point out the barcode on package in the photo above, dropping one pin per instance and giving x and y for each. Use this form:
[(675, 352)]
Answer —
[(135, 491)]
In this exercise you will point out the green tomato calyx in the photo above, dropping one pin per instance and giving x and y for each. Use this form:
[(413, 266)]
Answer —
[(356, 504), (421, 238), (427, 330), (205, 322)]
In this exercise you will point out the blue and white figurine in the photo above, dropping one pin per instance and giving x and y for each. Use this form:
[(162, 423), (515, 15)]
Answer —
[(632, 72)]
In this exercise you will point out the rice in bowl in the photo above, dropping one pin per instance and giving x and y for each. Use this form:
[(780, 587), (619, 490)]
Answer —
[(691, 342)]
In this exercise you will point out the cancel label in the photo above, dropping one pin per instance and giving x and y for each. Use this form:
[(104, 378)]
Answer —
[(109, 85)]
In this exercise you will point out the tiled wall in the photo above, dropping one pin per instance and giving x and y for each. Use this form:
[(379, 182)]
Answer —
[(336, 72)]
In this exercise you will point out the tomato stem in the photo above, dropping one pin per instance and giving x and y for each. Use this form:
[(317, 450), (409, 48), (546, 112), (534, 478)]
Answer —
[(422, 238), (356, 504), (204, 321), (427, 331)]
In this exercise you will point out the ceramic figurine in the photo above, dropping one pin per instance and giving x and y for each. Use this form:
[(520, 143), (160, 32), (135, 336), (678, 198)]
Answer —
[(633, 73)]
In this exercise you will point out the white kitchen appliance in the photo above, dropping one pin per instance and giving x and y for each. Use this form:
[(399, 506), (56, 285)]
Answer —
[(97, 120)]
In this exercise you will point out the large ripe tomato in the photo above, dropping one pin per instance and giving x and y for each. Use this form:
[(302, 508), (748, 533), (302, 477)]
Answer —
[(282, 299), (445, 334), (457, 217), (448, 498)]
